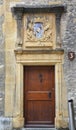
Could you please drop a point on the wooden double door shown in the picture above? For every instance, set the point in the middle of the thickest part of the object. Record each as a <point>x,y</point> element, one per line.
<point>39,95</point>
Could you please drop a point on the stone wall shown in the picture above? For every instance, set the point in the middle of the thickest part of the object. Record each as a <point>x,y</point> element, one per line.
<point>1,2</point>
<point>2,73</point>
<point>5,123</point>
<point>68,37</point>
<point>69,44</point>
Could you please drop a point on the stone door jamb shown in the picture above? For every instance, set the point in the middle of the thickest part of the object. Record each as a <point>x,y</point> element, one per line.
<point>38,59</point>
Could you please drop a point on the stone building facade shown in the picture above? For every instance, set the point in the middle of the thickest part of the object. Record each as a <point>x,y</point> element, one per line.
<point>17,50</point>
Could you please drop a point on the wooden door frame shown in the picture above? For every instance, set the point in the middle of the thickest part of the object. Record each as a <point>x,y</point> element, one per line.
<point>26,59</point>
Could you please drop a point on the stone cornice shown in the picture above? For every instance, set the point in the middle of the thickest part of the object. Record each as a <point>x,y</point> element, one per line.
<point>37,51</point>
<point>55,8</point>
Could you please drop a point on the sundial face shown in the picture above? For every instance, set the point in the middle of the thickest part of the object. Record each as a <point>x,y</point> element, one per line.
<point>38,30</point>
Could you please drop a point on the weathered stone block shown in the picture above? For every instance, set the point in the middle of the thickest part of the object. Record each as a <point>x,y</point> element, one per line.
<point>5,123</point>
<point>1,2</point>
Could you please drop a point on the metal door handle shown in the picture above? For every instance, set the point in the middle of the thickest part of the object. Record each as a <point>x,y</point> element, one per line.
<point>49,94</point>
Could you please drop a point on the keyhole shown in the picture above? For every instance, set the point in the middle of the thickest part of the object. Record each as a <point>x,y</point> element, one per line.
<point>49,94</point>
<point>41,77</point>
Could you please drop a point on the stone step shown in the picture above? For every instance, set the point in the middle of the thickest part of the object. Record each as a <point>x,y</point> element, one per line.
<point>38,128</point>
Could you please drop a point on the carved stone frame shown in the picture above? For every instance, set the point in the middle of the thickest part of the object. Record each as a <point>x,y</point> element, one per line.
<point>19,10</point>
<point>47,58</point>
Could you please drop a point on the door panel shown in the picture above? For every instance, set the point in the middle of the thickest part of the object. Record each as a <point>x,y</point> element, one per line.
<point>38,115</point>
<point>39,94</point>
